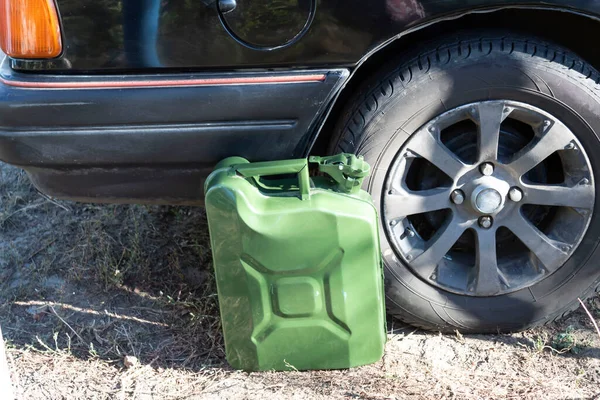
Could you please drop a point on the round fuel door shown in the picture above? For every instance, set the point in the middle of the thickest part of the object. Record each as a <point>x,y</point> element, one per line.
<point>266,24</point>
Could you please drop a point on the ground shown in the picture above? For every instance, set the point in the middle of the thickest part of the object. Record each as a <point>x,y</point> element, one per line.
<point>119,301</point>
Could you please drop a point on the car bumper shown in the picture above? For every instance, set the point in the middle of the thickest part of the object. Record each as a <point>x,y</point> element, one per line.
<point>154,139</point>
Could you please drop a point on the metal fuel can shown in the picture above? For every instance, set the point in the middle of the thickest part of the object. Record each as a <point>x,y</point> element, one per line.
<point>297,263</point>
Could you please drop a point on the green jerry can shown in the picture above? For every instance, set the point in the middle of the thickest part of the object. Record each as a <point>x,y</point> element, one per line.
<point>297,264</point>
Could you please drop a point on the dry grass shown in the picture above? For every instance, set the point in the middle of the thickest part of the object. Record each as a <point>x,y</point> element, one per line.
<point>83,286</point>
<point>58,374</point>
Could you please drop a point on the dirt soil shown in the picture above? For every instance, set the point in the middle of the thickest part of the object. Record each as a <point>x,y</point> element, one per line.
<point>119,301</point>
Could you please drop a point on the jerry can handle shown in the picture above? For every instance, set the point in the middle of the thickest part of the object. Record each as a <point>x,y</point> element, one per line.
<point>297,166</point>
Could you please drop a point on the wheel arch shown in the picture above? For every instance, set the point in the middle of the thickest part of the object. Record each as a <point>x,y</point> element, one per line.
<point>540,22</point>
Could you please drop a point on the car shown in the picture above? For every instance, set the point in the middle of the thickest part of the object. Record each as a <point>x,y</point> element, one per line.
<point>480,119</point>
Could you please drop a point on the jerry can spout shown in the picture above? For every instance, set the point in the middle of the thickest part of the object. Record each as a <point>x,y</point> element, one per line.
<point>347,170</point>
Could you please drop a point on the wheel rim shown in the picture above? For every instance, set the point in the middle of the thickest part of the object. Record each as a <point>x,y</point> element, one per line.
<point>488,198</point>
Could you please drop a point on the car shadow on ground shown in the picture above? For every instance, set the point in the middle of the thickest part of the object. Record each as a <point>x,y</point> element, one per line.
<point>107,281</point>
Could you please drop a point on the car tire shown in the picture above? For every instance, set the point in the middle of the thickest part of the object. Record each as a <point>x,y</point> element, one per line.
<point>387,120</point>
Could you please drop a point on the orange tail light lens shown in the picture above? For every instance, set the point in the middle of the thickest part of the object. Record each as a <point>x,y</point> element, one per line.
<point>29,29</point>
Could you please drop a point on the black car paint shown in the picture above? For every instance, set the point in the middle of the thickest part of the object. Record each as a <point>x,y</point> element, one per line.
<point>157,144</point>
<point>153,144</point>
<point>106,35</point>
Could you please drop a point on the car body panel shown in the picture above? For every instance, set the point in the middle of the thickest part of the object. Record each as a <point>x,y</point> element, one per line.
<point>129,35</point>
<point>148,95</point>
<point>109,139</point>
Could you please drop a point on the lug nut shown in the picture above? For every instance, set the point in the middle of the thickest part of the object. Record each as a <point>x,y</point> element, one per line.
<point>515,194</point>
<point>486,168</point>
<point>457,196</point>
<point>485,222</point>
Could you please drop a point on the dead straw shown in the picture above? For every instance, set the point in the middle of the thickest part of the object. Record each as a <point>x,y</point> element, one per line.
<point>590,315</point>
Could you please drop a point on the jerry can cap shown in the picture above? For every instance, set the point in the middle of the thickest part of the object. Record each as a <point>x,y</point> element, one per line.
<point>347,170</point>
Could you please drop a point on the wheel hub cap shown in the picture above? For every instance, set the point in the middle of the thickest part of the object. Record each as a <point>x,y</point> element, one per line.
<point>488,201</point>
<point>489,196</point>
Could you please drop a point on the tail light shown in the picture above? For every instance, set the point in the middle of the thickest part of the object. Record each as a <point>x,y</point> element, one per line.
<point>29,29</point>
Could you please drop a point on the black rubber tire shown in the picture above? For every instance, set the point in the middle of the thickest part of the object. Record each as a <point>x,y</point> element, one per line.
<point>456,71</point>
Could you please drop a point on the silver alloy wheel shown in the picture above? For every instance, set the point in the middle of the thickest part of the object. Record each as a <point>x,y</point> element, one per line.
<point>508,205</point>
